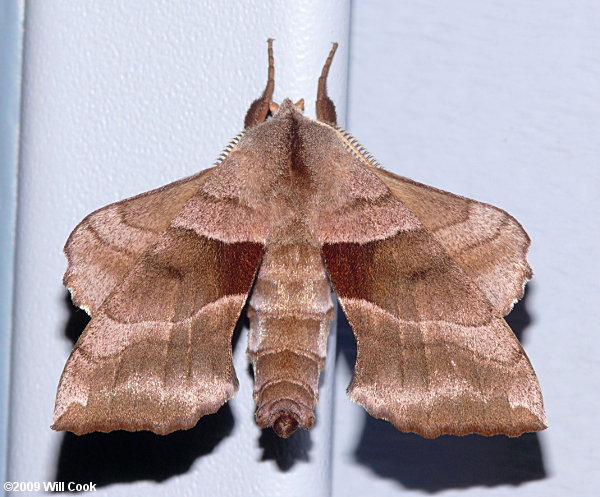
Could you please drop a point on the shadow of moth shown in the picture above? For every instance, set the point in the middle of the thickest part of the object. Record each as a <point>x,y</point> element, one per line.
<point>293,209</point>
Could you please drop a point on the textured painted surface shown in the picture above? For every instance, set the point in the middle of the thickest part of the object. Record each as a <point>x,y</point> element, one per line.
<point>497,101</point>
<point>11,19</point>
<point>120,98</point>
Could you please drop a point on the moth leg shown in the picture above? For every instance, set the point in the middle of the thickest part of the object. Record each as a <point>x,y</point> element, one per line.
<point>257,113</point>
<point>325,106</point>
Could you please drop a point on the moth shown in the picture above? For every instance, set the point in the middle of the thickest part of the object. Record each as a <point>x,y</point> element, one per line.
<point>294,209</point>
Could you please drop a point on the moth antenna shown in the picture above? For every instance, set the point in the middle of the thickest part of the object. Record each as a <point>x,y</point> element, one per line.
<point>325,107</point>
<point>258,111</point>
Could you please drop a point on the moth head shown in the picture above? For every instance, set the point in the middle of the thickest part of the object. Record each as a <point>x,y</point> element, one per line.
<point>264,105</point>
<point>274,106</point>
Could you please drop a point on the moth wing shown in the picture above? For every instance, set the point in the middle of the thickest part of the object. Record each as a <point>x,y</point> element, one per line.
<point>157,353</point>
<point>435,355</point>
<point>486,242</point>
<point>105,246</point>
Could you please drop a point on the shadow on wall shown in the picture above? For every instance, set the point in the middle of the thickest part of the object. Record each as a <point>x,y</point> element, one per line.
<point>285,451</point>
<point>120,456</point>
<point>448,461</point>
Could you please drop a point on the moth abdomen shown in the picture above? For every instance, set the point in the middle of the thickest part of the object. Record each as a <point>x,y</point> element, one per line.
<point>290,312</point>
<point>285,387</point>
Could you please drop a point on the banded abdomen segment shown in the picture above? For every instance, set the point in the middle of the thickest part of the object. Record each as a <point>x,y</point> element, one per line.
<point>290,313</point>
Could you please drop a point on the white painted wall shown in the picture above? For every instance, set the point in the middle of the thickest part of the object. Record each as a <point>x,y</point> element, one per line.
<point>11,21</point>
<point>499,101</point>
<point>121,97</point>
